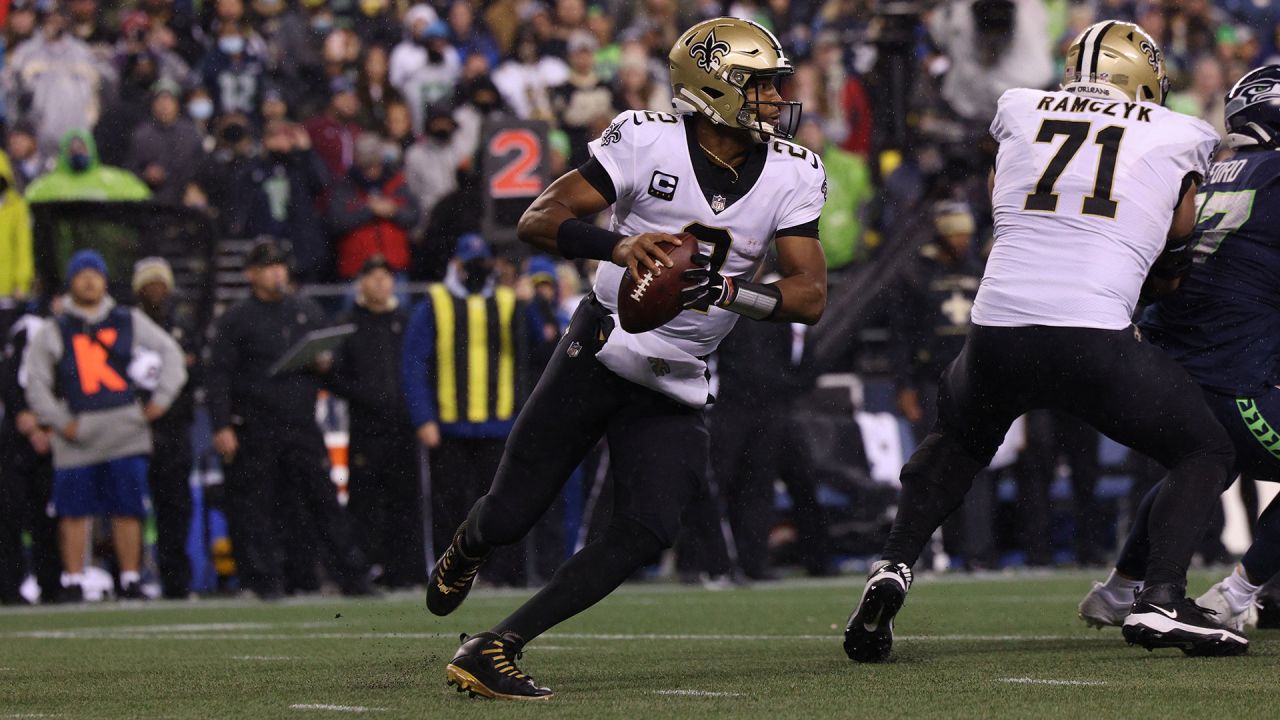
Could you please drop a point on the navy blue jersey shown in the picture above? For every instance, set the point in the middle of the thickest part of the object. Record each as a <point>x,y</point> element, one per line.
<point>1223,323</point>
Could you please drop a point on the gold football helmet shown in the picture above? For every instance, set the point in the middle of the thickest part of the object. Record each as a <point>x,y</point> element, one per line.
<point>1120,55</point>
<point>717,63</point>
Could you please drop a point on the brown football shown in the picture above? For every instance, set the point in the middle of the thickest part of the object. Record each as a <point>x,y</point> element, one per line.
<point>654,300</point>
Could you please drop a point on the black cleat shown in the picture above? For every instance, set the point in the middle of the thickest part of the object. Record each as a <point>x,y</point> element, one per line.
<point>1163,617</point>
<point>132,591</point>
<point>70,594</point>
<point>485,666</point>
<point>868,636</point>
<point>452,577</point>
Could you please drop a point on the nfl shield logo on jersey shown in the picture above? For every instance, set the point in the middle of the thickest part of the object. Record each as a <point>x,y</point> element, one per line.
<point>717,204</point>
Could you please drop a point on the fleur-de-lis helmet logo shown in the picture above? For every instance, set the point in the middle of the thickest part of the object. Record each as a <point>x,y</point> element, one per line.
<point>707,53</point>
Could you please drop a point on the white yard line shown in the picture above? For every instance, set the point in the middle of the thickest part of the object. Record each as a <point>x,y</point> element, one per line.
<point>1049,681</point>
<point>697,693</point>
<point>336,708</point>
<point>264,657</point>
<point>116,634</point>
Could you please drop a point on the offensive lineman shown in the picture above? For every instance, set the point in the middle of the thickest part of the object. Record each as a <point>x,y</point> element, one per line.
<point>1223,326</point>
<point>724,172</point>
<point>1092,185</point>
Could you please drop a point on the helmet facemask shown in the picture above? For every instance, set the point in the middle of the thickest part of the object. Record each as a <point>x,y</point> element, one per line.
<point>752,114</point>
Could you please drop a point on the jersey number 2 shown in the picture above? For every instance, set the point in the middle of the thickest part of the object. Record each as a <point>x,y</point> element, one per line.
<point>1044,199</point>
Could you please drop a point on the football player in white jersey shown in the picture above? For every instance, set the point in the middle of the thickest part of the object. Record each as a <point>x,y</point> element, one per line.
<point>1093,194</point>
<point>721,169</point>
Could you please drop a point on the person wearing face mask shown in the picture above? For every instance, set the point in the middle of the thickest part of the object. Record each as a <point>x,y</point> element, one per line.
<point>233,73</point>
<point>463,389</point>
<point>476,101</point>
<point>54,81</point>
<point>371,211</point>
<point>431,165</point>
<point>80,176</point>
<point>199,107</point>
<point>425,67</point>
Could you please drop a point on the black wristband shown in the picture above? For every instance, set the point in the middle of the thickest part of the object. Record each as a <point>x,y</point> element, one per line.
<point>580,239</point>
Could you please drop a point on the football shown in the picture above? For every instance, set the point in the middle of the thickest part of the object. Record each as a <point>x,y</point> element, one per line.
<point>654,300</point>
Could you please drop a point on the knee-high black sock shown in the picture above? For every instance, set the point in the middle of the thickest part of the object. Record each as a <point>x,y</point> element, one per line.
<point>934,483</point>
<point>1132,562</point>
<point>1181,511</point>
<point>586,578</point>
<point>1262,561</point>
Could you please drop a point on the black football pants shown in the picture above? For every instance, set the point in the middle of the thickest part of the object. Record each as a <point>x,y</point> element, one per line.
<point>658,452</point>
<point>1111,379</point>
<point>169,479</point>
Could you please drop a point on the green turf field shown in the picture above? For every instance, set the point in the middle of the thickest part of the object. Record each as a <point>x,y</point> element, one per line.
<point>997,647</point>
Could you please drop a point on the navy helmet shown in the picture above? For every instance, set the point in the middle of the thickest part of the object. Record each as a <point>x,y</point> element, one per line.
<point>1253,109</point>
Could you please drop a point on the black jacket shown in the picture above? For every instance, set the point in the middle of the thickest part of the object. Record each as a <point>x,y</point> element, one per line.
<point>367,371</point>
<point>246,341</point>
<point>929,315</point>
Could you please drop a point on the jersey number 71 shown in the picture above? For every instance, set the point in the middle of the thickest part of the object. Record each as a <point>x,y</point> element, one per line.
<point>1044,199</point>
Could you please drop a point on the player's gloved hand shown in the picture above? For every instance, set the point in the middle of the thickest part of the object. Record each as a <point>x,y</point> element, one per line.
<point>706,287</point>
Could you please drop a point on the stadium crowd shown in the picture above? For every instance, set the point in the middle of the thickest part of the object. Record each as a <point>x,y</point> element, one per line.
<point>345,137</point>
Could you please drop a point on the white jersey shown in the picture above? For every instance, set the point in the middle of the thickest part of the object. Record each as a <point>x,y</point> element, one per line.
<point>661,186</point>
<point>1085,189</point>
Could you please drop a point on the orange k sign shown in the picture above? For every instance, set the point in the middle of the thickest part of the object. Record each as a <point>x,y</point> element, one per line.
<point>91,363</point>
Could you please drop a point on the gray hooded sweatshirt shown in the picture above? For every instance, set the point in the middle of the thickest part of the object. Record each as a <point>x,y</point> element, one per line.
<point>106,434</point>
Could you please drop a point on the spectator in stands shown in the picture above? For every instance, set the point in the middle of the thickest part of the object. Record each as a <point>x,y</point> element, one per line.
<point>583,104</point>
<point>285,180</point>
<point>226,176</point>
<point>929,318</point>
<point>127,108</point>
<point>54,81</point>
<point>333,133</point>
<point>426,71</point>
<point>431,165</point>
<point>374,89</point>
<point>24,152</point>
<point>468,36</point>
<point>297,55</point>
<point>22,22</point>
<point>1205,98</point>
<point>85,23</point>
<point>199,108</point>
<point>398,128</point>
<point>80,386</point>
<point>233,72</point>
<point>461,389</point>
<point>278,488</point>
<point>17,264</point>
<point>376,23</point>
<point>385,495</point>
<point>635,88</point>
<point>138,36</point>
<point>372,211</point>
<point>273,107</point>
<point>849,191</point>
<point>166,151</point>
<point>79,176</point>
<point>526,77</point>
<point>992,45</point>
<point>169,474</point>
<point>476,101</point>
<point>27,476</point>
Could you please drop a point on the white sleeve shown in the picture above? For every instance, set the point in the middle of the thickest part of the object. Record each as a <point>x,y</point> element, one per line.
<point>810,196</point>
<point>620,149</point>
<point>1002,125</point>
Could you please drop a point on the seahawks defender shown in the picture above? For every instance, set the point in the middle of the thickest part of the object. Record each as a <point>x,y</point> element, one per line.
<point>1092,186</point>
<point>723,171</point>
<point>1223,326</point>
